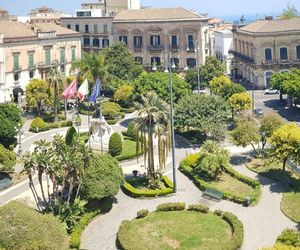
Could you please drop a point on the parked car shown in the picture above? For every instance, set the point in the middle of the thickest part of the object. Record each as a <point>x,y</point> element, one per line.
<point>271,91</point>
<point>258,112</point>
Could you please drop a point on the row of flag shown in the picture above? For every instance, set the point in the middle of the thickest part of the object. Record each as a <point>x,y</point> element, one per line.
<point>71,91</point>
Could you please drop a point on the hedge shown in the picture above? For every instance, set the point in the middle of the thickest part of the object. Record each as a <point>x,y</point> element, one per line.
<point>199,208</point>
<point>127,110</point>
<point>175,206</point>
<point>238,198</point>
<point>115,144</point>
<point>8,159</point>
<point>61,124</point>
<point>135,192</point>
<point>112,122</point>
<point>37,124</point>
<point>129,156</point>
<point>142,213</point>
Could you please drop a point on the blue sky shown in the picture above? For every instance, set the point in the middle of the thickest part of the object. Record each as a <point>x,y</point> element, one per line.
<point>212,7</point>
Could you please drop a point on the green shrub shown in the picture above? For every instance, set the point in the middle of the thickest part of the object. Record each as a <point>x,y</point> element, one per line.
<point>111,109</point>
<point>8,159</point>
<point>142,213</point>
<point>71,135</point>
<point>167,182</point>
<point>192,159</point>
<point>21,227</point>
<point>115,144</point>
<point>218,212</point>
<point>130,132</point>
<point>77,120</point>
<point>38,124</point>
<point>237,238</point>
<point>53,125</point>
<point>112,122</point>
<point>176,206</point>
<point>199,207</point>
<point>127,110</point>
<point>67,123</point>
<point>289,237</point>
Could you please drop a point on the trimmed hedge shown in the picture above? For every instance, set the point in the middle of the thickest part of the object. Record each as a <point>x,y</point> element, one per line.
<point>112,122</point>
<point>115,144</point>
<point>8,159</point>
<point>142,213</point>
<point>38,124</point>
<point>199,208</point>
<point>136,193</point>
<point>71,135</point>
<point>236,197</point>
<point>176,206</point>
<point>128,110</point>
<point>61,124</point>
<point>237,227</point>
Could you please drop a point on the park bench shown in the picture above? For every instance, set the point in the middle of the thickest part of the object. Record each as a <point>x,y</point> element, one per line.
<point>213,193</point>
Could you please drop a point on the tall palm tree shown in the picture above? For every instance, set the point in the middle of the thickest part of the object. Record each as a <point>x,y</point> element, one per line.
<point>55,79</point>
<point>153,121</point>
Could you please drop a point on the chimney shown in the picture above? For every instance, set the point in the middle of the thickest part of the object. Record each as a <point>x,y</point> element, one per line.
<point>269,18</point>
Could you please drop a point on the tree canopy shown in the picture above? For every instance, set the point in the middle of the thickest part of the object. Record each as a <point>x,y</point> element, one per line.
<point>217,83</point>
<point>124,94</point>
<point>240,101</point>
<point>289,12</point>
<point>10,117</point>
<point>159,82</point>
<point>212,68</point>
<point>227,90</point>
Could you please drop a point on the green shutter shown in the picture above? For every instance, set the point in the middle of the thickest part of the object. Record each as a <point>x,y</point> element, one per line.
<point>31,60</point>
<point>62,55</point>
<point>48,56</point>
<point>16,61</point>
<point>73,54</point>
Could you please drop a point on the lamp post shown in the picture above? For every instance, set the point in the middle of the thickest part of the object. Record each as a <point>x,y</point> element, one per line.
<point>198,67</point>
<point>253,85</point>
<point>20,132</point>
<point>168,69</point>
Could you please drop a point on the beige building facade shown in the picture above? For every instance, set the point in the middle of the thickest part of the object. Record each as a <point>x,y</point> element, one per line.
<point>30,51</point>
<point>151,33</point>
<point>265,47</point>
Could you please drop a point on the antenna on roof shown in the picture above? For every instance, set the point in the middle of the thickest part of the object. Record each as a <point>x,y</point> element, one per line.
<point>242,19</point>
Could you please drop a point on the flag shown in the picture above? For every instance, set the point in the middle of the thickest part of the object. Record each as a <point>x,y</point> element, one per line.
<point>95,92</point>
<point>70,91</point>
<point>83,90</point>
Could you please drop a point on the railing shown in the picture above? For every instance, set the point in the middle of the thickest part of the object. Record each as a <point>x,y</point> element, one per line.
<point>242,57</point>
<point>48,65</point>
<point>174,47</point>
<point>156,48</point>
<point>137,47</point>
<point>269,62</point>
<point>285,61</point>
<point>17,68</point>
<point>32,66</point>
<point>190,48</point>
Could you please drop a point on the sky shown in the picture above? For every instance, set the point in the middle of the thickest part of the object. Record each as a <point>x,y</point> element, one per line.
<point>219,8</point>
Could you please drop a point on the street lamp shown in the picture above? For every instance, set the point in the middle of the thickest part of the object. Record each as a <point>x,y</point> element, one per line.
<point>198,67</point>
<point>20,132</point>
<point>253,85</point>
<point>168,69</point>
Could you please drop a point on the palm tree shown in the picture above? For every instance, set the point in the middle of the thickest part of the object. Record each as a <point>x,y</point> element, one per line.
<point>153,120</point>
<point>55,79</point>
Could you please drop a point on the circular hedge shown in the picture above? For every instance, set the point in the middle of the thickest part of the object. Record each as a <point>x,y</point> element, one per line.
<point>37,124</point>
<point>22,227</point>
<point>115,144</point>
<point>173,227</point>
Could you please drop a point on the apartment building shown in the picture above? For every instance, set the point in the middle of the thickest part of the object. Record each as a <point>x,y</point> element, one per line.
<point>264,47</point>
<point>151,33</point>
<point>30,51</point>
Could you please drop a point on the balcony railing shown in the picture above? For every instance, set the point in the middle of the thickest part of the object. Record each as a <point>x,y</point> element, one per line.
<point>174,47</point>
<point>31,66</point>
<point>137,47</point>
<point>268,62</point>
<point>17,68</point>
<point>48,65</point>
<point>285,61</point>
<point>190,48</point>
<point>242,57</point>
<point>155,48</point>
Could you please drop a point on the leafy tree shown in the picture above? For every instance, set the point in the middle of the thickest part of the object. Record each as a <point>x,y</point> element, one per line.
<point>246,132</point>
<point>227,90</point>
<point>217,83</point>
<point>212,68</point>
<point>102,179</point>
<point>240,101</point>
<point>115,144</point>
<point>56,80</point>
<point>124,94</point>
<point>268,124</point>
<point>153,121</point>
<point>131,132</point>
<point>38,94</point>
<point>21,227</point>
<point>10,117</point>
<point>110,109</point>
<point>159,82</point>
<point>289,12</point>
<point>211,160</point>
<point>277,81</point>
<point>285,143</point>
<point>291,85</point>
<point>191,77</point>
<point>201,112</point>
<point>7,159</point>
<point>37,124</point>
<point>71,136</point>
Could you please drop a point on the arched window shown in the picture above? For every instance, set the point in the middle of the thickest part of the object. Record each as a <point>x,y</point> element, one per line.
<point>268,55</point>
<point>283,54</point>
<point>298,52</point>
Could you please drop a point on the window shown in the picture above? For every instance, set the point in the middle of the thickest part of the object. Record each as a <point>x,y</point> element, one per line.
<point>73,54</point>
<point>191,62</point>
<point>86,28</point>
<point>86,42</point>
<point>95,28</point>
<point>155,60</point>
<point>123,39</point>
<point>139,59</point>
<point>31,74</point>
<point>298,52</point>
<point>77,27</point>
<point>62,68</point>
<point>69,26</point>
<point>105,28</point>
<point>283,54</point>
<point>16,77</point>
<point>191,42</point>
<point>138,41</point>
<point>155,41</point>
<point>84,13</point>
<point>30,59</point>
<point>96,42</point>
<point>16,61</point>
<point>174,42</point>
<point>175,61</point>
<point>47,56</point>
<point>62,55</point>
<point>268,55</point>
<point>105,43</point>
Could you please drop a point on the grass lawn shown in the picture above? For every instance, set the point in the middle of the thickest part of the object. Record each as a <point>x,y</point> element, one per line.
<point>128,150</point>
<point>290,204</point>
<point>231,184</point>
<point>176,230</point>
<point>141,183</point>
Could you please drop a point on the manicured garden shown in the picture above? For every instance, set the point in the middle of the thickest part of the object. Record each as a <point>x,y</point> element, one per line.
<point>128,150</point>
<point>173,227</point>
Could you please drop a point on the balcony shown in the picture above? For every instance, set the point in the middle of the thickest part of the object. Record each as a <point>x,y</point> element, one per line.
<point>190,48</point>
<point>31,66</point>
<point>155,48</point>
<point>17,68</point>
<point>242,57</point>
<point>137,47</point>
<point>297,61</point>
<point>174,47</point>
<point>44,65</point>
<point>285,61</point>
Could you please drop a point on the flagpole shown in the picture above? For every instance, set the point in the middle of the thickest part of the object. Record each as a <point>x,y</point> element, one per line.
<point>77,106</point>
<point>101,137</point>
<point>89,126</point>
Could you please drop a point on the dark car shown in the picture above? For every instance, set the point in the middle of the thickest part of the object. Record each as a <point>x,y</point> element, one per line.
<point>258,112</point>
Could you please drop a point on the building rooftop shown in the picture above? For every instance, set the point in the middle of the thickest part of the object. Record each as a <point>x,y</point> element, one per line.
<point>15,29</point>
<point>161,14</point>
<point>270,26</point>
<point>48,27</point>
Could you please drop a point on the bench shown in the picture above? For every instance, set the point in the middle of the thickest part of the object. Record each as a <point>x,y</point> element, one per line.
<point>213,193</point>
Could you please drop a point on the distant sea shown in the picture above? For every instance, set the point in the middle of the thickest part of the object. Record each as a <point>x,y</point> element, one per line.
<point>248,17</point>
